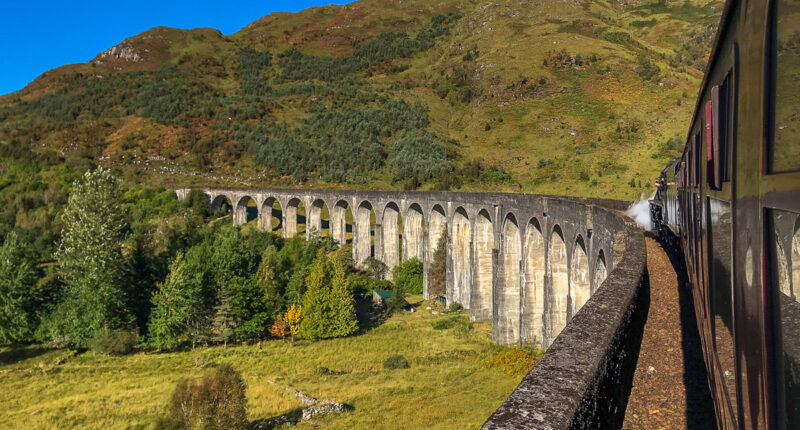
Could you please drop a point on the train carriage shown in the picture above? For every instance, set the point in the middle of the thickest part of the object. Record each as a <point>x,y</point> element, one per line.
<point>734,206</point>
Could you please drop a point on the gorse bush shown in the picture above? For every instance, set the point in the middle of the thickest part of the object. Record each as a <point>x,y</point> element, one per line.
<point>395,361</point>
<point>218,401</point>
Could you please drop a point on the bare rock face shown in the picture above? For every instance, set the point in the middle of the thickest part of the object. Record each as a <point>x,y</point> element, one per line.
<point>123,52</point>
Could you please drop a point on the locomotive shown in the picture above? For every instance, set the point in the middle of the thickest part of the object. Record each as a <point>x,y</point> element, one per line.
<point>731,203</point>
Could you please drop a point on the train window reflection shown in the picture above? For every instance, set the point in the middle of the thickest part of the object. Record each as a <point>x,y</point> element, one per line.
<point>719,214</point>
<point>785,151</point>
<point>785,266</point>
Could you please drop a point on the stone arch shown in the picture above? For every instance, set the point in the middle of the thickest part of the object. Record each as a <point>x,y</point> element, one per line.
<point>318,221</point>
<point>245,211</point>
<point>295,218</point>
<point>364,232</point>
<point>507,314</point>
<point>559,274</point>
<point>533,291</point>
<point>413,233</point>
<point>342,222</point>
<point>600,270</point>
<point>221,204</point>
<point>391,235</point>
<point>579,280</point>
<point>270,217</point>
<point>462,238</point>
<point>484,268</point>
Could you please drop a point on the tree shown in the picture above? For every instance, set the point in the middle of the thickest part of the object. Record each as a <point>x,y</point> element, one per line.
<point>17,278</point>
<point>279,328</point>
<point>224,321</point>
<point>178,301</point>
<point>294,316</point>
<point>328,307</point>
<point>437,277</point>
<point>408,276</point>
<point>91,262</point>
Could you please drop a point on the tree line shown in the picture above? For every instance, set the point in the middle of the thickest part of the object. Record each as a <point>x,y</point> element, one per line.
<point>172,279</point>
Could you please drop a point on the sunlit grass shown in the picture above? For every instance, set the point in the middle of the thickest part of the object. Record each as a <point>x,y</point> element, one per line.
<point>447,385</point>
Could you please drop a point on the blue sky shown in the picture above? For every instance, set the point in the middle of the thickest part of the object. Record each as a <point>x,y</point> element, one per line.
<point>36,36</point>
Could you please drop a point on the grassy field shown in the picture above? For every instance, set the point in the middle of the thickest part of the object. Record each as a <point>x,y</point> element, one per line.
<point>447,385</point>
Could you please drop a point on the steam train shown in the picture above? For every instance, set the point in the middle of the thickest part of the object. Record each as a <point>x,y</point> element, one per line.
<point>731,202</point>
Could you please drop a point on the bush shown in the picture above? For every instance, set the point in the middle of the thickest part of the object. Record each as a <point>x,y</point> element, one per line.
<point>516,360</point>
<point>408,276</point>
<point>455,307</point>
<point>218,401</point>
<point>395,361</point>
<point>459,324</point>
<point>114,342</point>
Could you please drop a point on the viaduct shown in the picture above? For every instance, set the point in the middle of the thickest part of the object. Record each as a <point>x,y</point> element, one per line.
<point>548,271</point>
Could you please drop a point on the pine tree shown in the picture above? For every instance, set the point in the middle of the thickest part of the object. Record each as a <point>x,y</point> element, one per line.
<point>176,303</point>
<point>91,262</point>
<point>437,277</point>
<point>224,321</point>
<point>328,306</point>
<point>17,278</point>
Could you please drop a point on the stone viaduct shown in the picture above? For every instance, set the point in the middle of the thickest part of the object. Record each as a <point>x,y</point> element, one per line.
<point>527,263</point>
<point>564,273</point>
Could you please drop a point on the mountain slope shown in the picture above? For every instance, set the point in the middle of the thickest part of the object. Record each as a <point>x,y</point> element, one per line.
<point>568,97</point>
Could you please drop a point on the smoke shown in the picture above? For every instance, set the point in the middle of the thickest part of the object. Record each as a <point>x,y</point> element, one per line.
<point>640,212</point>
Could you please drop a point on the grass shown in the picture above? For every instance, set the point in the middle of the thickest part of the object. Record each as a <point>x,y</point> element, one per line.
<point>446,386</point>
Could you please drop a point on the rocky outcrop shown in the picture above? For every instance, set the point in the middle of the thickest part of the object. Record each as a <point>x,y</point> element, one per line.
<point>122,52</point>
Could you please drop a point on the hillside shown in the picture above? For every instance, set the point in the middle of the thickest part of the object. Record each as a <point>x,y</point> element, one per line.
<point>586,98</point>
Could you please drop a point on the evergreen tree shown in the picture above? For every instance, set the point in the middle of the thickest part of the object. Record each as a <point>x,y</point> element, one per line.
<point>437,277</point>
<point>177,302</point>
<point>91,261</point>
<point>17,278</point>
<point>328,307</point>
<point>224,320</point>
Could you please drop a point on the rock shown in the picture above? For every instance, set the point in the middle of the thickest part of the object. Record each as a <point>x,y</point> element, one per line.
<point>323,408</point>
<point>650,369</point>
<point>124,52</point>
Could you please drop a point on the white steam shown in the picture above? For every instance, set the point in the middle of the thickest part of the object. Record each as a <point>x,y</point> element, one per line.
<point>640,212</point>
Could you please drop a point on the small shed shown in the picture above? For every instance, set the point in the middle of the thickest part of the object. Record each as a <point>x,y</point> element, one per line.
<point>380,296</point>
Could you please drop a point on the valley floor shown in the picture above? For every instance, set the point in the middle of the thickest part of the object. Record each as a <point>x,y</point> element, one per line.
<point>447,385</point>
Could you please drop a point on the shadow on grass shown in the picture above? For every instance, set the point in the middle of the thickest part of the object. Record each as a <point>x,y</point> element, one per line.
<point>15,354</point>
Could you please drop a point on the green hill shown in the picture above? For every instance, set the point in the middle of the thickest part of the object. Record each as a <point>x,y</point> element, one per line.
<point>566,97</point>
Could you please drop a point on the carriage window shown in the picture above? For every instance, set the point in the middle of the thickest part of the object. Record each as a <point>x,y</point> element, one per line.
<point>719,231</point>
<point>784,238</point>
<point>784,155</point>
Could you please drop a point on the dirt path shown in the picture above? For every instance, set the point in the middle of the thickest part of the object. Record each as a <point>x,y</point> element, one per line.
<point>669,387</point>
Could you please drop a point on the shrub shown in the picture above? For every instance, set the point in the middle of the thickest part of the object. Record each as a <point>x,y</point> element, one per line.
<point>459,324</point>
<point>218,401</point>
<point>395,361</point>
<point>455,307</point>
<point>408,276</point>
<point>114,342</point>
<point>516,361</point>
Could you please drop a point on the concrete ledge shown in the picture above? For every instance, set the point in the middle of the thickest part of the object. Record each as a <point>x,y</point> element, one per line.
<point>584,378</point>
